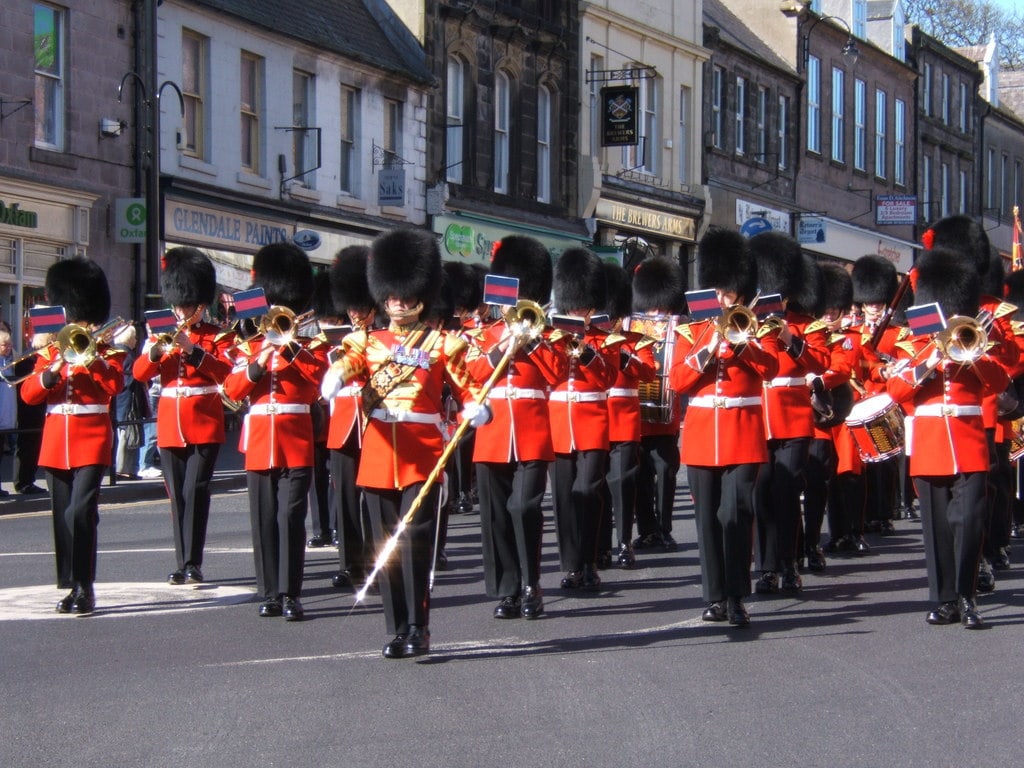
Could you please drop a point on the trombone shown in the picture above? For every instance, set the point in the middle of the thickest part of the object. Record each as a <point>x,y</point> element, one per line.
<point>279,326</point>
<point>77,345</point>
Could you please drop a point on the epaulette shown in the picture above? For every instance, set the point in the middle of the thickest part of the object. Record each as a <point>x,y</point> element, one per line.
<point>557,335</point>
<point>815,326</point>
<point>684,331</point>
<point>1017,327</point>
<point>836,337</point>
<point>904,333</point>
<point>907,346</point>
<point>223,334</point>
<point>645,341</point>
<point>1005,308</point>
<point>611,339</point>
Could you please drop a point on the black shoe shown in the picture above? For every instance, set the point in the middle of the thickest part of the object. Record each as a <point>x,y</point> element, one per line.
<point>177,578</point>
<point>911,513</point>
<point>65,603</point>
<point>291,608</point>
<point>815,559</point>
<point>842,544</point>
<point>30,490</point>
<point>969,617</point>
<point>604,560</point>
<point>508,608</point>
<point>714,612</point>
<point>572,580</point>
<point>1002,560</point>
<point>193,575</point>
<point>648,541</point>
<point>464,506</point>
<point>591,581</point>
<point>737,612</point>
<point>1017,531</point>
<point>318,541</point>
<point>84,602</point>
<point>396,648</point>
<point>335,541</point>
<point>791,580</point>
<point>986,579</point>
<point>667,542</point>
<point>441,561</point>
<point>531,604</point>
<point>768,583</point>
<point>271,608</point>
<point>886,528</point>
<point>626,558</point>
<point>347,578</point>
<point>417,643</point>
<point>944,613</point>
<point>860,547</point>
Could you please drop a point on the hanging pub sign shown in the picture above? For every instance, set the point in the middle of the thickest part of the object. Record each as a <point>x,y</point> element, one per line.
<point>618,122</point>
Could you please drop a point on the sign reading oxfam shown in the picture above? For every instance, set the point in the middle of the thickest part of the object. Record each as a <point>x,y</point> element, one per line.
<point>130,220</point>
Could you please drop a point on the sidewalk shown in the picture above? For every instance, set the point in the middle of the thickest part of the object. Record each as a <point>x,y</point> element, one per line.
<point>229,475</point>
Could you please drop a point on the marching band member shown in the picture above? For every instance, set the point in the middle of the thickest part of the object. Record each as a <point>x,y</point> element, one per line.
<point>512,453</point>
<point>1014,293</point>
<point>190,419</point>
<point>787,411</point>
<point>406,366</point>
<point>281,378</point>
<point>578,408</point>
<point>321,511</point>
<point>947,448</point>
<point>659,300</point>
<point>724,446</point>
<point>635,365</point>
<point>77,386</point>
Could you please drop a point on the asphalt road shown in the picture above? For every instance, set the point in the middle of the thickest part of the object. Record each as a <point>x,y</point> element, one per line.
<point>848,674</point>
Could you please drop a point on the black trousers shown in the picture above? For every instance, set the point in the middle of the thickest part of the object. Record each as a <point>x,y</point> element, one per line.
<point>351,518</point>
<point>75,498</point>
<point>277,512</point>
<point>953,519</point>
<point>777,502</point>
<point>656,483</point>
<point>187,475</point>
<point>821,469</point>
<point>579,505</point>
<point>404,578</point>
<point>623,473</point>
<point>723,503</point>
<point>321,512</point>
<point>511,524</point>
<point>882,478</point>
<point>846,505</point>
<point>1000,485</point>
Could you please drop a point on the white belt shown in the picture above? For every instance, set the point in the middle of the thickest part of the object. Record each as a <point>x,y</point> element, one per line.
<point>938,409</point>
<point>785,381</point>
<point>517,393</point>
<point>189,391</point>
<point>715,401</point>
<point>392,417</point>
<point>622,392</point>
<point>350,391</point>
<point>578,397</point>
<point>269,409</point>
<point>76,409</point>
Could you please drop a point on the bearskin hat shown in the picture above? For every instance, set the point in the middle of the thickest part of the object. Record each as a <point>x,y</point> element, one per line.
<point>579,281</point>
<point>838,287</point>
<point>465,284</point>
<point>963,235</point>
<point>809,296</point>
<point>944,277</point>
<point>620,292</point>
<point>724,261</point>
<point>658,286</point>
<point>527,259</point>
<point>874,280</point>
<point>349,289</point>
<point>323,302</point>
<point>405,263</point>
<point>284,273</point>
<point>780,267</point>
<point>993,278</point>
<point>188,278</point>
<point>80,285</point>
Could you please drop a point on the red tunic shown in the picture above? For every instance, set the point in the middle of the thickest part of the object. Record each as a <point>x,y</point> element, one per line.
<point>77,431</point>
<point>636,364</point>
<point>345,403</point>
<point>787,399</point>
<point>191,411</point>
<point>578,406</point>
<point>724,423</point>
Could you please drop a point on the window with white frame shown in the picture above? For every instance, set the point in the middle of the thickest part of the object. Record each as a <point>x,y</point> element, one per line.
<point>1004,180</point>
<point>899,158</point>
<point>926,187</point>
<point>48,100</point>
<point>762,124</point>
<point>813,104</point>
<point>717,98</point>
<point>596,65</point>
<point>860,18</point>
<point>838,117</point>
<point>945,96</point>
<point>860,127</point>
<point>194,52</point>
<point>741,115</point>
<point>990,185</point>
<point>543,144</point>
<point>348,121</point>
<point>881,116</point>
<point>392,142</point>
<point>1015,197</point>
<point>650,89</point>
<point>944,190</point>
<point>965,108</point>
<point>683,150</point>
<point>926,90</point>
<point>250,106</point>
<point>455,139</point>
<point>783,136</point>
<point>964,192</point>
<point>502,100</point>
<point>303,141</point>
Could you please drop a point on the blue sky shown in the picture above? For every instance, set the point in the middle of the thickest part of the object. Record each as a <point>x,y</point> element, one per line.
<point>1008,5</point>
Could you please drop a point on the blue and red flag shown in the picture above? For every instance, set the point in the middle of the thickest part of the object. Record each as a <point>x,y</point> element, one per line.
<point>768,305</point>
<point>501,290</point>
<point>161,321</point>
<point>47,319</point>
<point>601,321</point>
<point>703,304</point>
<point>925,319</point>
<point>250,303</point>
<point>569,324</point>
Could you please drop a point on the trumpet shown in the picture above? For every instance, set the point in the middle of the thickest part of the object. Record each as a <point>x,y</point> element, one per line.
<point>526,320</point>
<point>737,324</point>
<point>281,325</point>
<point>77,344</point>
<point>964,339</point>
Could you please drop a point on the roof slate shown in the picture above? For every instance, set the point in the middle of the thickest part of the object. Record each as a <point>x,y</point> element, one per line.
<point>734,32</point>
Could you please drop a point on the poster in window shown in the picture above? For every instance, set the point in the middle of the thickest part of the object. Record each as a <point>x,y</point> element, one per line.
<point>618,125</point>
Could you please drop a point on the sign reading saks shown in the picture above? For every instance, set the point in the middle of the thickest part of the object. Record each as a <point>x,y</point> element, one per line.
<point>220,229</point>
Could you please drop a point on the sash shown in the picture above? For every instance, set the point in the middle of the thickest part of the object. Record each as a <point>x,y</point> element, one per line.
<point>391,373</point>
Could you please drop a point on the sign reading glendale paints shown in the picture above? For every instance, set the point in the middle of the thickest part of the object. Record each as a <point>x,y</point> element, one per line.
<point>215,228</point>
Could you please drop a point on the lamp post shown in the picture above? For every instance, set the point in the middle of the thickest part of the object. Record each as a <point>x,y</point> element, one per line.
<point>850,50</point>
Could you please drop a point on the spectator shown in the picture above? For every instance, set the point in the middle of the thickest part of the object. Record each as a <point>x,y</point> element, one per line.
<point>8,401</point>
<point>132,406</point>
<point>149,454</point>
<point>30,427</point>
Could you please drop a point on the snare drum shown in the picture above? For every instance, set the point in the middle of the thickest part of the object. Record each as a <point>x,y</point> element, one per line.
<point>1016,439</point>
<point>876,424</point>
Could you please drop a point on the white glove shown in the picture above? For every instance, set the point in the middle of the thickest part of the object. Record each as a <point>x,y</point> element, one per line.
<point>477,414</point>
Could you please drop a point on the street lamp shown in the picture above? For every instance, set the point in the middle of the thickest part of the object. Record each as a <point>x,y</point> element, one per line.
<point>850,50</point>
